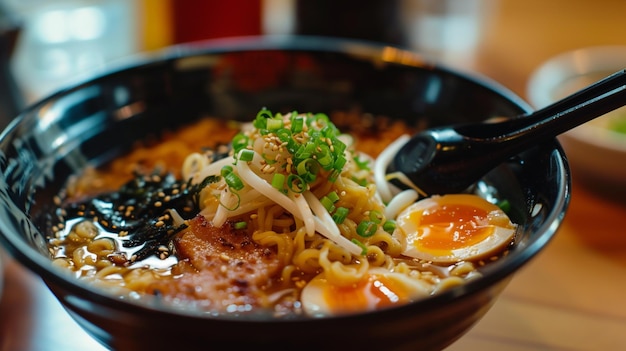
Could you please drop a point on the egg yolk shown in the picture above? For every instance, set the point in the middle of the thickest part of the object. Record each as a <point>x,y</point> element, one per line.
<point>451,226</point>
<point>375,292</point>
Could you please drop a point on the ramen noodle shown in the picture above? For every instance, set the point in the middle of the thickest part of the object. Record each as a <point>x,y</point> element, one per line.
<point>284,214</point>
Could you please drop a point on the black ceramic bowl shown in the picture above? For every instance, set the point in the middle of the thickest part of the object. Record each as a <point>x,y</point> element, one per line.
<point>98,119</point>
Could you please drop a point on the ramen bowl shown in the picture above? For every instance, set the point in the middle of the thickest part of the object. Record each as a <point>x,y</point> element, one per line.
<point>96,120</point>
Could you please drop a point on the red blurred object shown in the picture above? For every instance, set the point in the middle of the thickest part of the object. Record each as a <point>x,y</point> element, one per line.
<point>206,19</point>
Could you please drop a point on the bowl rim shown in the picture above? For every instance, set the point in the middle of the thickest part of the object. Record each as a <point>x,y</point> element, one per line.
<point>544,80</point>
<point>567,64</point>
<point>36,262</point>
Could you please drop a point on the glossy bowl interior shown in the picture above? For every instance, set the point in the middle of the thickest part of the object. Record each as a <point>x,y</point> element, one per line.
<point>96,120</point>
<point>596,151</point>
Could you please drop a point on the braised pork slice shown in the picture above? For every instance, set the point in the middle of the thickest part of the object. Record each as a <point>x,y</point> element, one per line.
<point>222,268</point>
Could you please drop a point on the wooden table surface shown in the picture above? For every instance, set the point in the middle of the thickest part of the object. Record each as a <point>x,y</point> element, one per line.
<point>572,296</point>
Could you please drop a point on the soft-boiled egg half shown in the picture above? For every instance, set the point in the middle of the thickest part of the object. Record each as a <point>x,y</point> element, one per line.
<point>453,228</point>
<point>378,289</point>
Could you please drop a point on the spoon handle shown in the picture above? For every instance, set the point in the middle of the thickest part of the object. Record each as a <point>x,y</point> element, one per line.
<point>608,83</point>
<point>591,102</point>
<point>450,159</point>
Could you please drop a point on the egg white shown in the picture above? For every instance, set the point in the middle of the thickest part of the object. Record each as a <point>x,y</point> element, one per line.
<point>319,298</point>
<point>409,230</point>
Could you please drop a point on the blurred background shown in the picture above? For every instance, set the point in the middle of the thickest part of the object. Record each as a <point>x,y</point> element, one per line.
<point>64,40</point>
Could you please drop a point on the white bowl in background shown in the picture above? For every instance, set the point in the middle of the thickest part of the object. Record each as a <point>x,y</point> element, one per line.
<point>596,152</point>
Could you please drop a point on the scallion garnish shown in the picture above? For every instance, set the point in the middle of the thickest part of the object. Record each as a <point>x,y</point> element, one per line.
<point>328,204</point>
<point>362,164</point>
<point>307,169</point>
<point>338,146</point>
<point>297,150</point>
<point>376,216</point>
<point>239,142</point>
<point>283,134</point>
<point>324,157</point>
<point>366,228</point>
<point>278,181</point>
<point>389,226</point>
<point>260,122</point>
<point>225,170</point>
<point>233,181</point>
<point>340,215</point>
<point>246,155</point>
<point>361,245</point>
<point>305,151</point>
<point>295,183</point>
<point>274,124</point>
<point>297,124</point>
<point>235,205</point>
<point>333,196</point>
<point>340,161</point>
<point>504,205</point>
<point>360,181</point>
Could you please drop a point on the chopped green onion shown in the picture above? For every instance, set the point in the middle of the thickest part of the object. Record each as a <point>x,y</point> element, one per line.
<point>297,124</point>
<point>305,151</point>
<point>340,215</point>
<point>504,205</point>
<point>295,183</point>
<point>307,169</point>
<point>389,226</point>
<point>274,124</point>
<point>233,181</point>
<point>260,122</point>
<point>328,204</point>
<point>283,134</point>
<point>236,204</point>
<point>324,156</point>
<point>376,216</point>
<point>292,146</point>
<point>265,113</point>
<point>339,163</point>
<point>361,245</point>
<point>278,180</point>
<point>618,124</point>
<point>308,177</point>
<point>321,119</point>
<point>304,166</point>
<point>339,146</point>
<point>362,164</point>
<point>333,196</point>
<point>225,170</point>
<point>366,228</point>
<point>239,142</point>
<point>246,155</point>
<point>241,225</point>
<point>268,159</point>
<point>360,181</point>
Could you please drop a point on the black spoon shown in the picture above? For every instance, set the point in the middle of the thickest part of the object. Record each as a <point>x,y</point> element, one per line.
<point>450,159</point>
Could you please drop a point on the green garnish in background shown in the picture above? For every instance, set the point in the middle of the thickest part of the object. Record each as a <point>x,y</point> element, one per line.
<point>619,124</point>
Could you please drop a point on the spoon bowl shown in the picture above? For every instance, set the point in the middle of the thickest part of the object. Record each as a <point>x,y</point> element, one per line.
<point>451,159</point>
